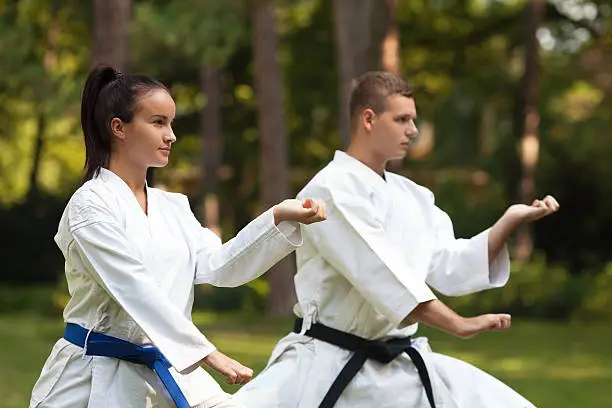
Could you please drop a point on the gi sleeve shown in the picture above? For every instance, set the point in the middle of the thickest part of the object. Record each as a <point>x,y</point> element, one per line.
<point>254,250</point>
<point>461,266</point>
<point>101,246</point>
<point>355,243</point>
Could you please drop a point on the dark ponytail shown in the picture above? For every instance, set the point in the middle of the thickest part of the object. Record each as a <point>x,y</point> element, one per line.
<point>97,143</point>
<point>108,94</point>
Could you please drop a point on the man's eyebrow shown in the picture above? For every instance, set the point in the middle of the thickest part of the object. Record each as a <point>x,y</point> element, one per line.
<point>405,116</point>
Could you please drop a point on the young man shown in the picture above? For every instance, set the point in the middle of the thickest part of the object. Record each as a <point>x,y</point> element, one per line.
<point>364,278</point>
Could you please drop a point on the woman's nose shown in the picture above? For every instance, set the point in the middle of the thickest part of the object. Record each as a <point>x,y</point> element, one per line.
<point>170,137</point>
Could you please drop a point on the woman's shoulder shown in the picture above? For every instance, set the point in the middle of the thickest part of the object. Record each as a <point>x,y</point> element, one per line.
<point>170,198</point>
<point>92,201</point>
<point>174,205</point>
<point>92,193</point>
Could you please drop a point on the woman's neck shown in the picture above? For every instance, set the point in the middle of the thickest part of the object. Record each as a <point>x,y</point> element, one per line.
<point>135,177</point>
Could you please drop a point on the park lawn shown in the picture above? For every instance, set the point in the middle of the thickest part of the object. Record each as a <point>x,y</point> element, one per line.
<point>553,364</point>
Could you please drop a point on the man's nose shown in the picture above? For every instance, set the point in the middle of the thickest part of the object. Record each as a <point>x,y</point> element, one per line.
<point>411,131</point>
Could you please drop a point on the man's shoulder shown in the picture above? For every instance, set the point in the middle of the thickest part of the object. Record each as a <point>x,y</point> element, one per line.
<point>331,178</point>
<point>409,184</point>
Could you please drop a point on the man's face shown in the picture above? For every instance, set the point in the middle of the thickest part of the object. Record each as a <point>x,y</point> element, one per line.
<point>394,130</point>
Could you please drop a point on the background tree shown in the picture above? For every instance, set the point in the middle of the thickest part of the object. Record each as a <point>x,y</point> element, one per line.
<point>110,43</point>
<point>528,104</point>
<point>353,36</point>
<point>274,181</point>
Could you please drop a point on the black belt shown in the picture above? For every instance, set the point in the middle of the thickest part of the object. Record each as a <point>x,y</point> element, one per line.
<point>381,351</point>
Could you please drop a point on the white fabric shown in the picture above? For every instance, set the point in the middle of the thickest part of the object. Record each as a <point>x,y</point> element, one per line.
<point>363,271</point>
<point>131,275</point>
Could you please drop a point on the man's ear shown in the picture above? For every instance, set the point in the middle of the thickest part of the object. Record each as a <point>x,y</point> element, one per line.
<point>117,127</point>
<point>368,117</point>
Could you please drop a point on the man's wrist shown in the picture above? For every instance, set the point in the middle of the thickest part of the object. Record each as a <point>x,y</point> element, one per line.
<point>459,327</point>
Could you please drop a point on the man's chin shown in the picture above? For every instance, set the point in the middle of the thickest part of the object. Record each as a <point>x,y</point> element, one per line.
<point>399,156</point>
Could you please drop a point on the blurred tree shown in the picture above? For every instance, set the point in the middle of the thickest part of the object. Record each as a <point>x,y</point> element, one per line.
<point>110,33</point>
<point>38,86</point>
<point>529,121</point>
<point>353,39</point>
<point>390,55</point>
<point>110,42</point>
<point>212,146</point>
<point>274,181</point>
<point>206,33</point>
<point>465,60</point>
<point>40,66</point>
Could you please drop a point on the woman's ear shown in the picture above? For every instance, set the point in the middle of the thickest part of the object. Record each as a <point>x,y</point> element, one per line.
<point>117,127</point>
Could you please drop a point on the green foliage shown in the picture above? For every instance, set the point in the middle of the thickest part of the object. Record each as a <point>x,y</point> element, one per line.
<point>463,58</point>
<point>469,197</point>
<point>597,303</point>
<point>206,32</point>
<point>27,248</point>
<point>36,300</point>
<point>250,298</point>
<point>42,56</point>
<point>537,289</point>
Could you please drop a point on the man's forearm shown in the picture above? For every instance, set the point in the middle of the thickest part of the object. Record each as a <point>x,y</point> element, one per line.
<point>436,314</point>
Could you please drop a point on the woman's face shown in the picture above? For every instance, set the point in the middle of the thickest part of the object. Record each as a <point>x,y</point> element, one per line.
<point>146,141</point>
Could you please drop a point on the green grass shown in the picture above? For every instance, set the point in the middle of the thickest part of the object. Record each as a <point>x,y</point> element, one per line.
<point>553,364</point>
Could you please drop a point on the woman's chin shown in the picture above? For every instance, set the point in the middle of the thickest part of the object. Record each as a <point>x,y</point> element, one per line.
<point>159,163</point>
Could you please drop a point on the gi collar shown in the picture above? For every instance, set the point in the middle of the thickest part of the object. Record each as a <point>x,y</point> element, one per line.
<point>366,174</point>
<point>117,183</point>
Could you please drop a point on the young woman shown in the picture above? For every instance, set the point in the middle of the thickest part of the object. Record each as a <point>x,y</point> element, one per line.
<point>133,255</point>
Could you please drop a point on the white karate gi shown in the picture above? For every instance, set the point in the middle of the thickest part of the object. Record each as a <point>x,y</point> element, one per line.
<point>131,276</point>
<point>363,271</point>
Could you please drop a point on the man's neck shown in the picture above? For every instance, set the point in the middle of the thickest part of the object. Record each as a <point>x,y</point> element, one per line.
<point>366,156</point>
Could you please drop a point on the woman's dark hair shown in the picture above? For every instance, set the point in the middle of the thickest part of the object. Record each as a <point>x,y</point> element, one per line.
<point>108,94</point>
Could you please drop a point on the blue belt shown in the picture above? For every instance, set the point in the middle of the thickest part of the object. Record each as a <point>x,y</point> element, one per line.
<point>99,344</point>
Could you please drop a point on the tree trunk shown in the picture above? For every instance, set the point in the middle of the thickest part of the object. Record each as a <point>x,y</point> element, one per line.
<point>273,152</point>
<point>33,190</point>
<point>529,99</point>
<point>389,53</point>
<point>212,146</point>
<point>44,89</point>
<point>353,32</point>
<point>110,33</point>
<point>390,56</point>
